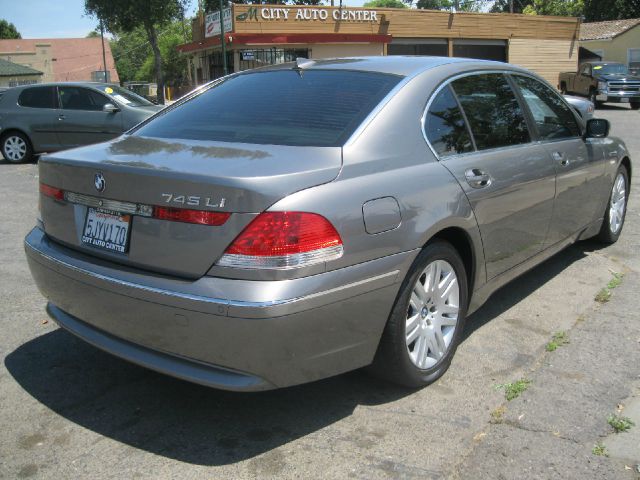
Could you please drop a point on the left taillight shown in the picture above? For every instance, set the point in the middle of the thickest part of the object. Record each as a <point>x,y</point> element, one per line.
<point>52,192</point>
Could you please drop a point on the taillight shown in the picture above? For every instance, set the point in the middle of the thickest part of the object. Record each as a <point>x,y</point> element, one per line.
<point>190,216</point>
<point>284,240</point>
<point>53,192</point>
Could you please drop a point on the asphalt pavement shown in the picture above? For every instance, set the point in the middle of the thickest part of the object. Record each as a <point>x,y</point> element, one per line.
<point>68,410</point>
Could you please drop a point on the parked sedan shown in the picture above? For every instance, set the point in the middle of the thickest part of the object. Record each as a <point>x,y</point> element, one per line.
<point>583,106</point>
<point>52,117</point>
<point>291,223</point>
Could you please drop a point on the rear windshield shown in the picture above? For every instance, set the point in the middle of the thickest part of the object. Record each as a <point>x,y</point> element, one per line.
<point>284,107</point>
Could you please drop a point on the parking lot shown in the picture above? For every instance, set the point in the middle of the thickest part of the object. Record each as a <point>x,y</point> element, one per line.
<point>68,410</point>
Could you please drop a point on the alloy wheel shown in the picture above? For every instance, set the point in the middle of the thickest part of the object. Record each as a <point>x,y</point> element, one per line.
<point>618,203</point>
<point>15,148</point>
<point>432,315</point>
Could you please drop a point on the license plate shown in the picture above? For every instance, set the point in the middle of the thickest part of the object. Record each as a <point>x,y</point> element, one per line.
<point>624,100</point>
<point>107,230</point>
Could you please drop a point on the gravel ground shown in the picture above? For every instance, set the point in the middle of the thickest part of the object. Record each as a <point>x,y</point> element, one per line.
<point>68,410</point>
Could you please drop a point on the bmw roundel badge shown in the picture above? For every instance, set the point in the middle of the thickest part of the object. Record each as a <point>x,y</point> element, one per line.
<point>99,182</point>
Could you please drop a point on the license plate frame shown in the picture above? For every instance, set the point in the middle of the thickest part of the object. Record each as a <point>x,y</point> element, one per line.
<point>624,100</point>
<point>112,235</point>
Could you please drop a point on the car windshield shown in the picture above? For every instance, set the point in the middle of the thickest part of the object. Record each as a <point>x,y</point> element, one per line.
<point>125,97</point>
<point>610,69</point>
<point>279,107</point>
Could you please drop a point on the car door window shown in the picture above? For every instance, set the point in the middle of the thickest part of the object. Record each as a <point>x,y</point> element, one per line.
<point>492,110</point>
<point>38,97</point>
<point>445,127</point>
<point>586,70</point>
<point>78,98</point>
<point>552,116</point>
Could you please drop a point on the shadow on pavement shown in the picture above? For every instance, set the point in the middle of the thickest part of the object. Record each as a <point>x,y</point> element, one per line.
<point>525,285</point>
<point>198,425</point>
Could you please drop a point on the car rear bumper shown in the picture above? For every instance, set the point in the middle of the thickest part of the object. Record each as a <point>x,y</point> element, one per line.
<point>231,334</point>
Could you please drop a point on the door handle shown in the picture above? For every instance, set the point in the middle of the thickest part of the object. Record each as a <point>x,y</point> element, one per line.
<point>561,158</point>
<point>476,178</point>
<point>61,117</point>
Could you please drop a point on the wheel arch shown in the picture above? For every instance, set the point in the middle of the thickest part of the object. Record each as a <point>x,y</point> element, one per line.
<point>460,239</point>
<point>10,130</point>
<point>626,162</point>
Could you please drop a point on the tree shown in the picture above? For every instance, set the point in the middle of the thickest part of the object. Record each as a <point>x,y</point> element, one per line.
<point>130,52</point>
<point>127,15</point>
<point>457,5</point>
<point>385,4</point>
<point>174,64</point>
<point>503,6</point>
<point>93,34</point>
<point>598,11</point>
<point>569,8</point>
<point>8,30</point>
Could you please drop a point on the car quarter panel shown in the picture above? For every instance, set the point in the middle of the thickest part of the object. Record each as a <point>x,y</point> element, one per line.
<point>390,158</point>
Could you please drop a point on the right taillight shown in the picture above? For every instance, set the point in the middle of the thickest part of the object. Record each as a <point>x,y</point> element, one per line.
<point>284,240</point>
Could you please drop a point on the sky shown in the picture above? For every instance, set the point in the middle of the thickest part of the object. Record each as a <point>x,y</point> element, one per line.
<point>64,18</point>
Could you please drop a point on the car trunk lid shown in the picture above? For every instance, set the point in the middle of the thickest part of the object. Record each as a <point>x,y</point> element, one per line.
<point>242,179</point>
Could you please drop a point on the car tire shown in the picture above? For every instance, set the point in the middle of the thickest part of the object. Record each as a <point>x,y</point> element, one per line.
<point>593,99</point>
<point>16,147</point>
<point>635,105</point>
<point>401,359</point>
<point>563,89</point>
<point>616,210</point>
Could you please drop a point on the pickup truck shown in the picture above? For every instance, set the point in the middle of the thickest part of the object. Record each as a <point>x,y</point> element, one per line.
<point>603,82</point>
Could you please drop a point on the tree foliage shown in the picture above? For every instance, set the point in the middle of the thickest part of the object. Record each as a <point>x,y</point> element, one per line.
<point>385,4</point>
<point>457,5</point>
<point>150,15</point>
<point>503,6</point>
<point>8,30</point>
<point>599,10</point>
<point>570,8</point>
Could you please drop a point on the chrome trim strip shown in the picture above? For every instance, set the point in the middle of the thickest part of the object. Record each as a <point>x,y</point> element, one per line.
<point>116,205</point>
<point>200,298</point>
<point>280,262</point>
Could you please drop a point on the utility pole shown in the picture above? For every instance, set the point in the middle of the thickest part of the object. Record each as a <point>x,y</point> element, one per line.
<point>511,6</point>
<point>104,56</point>
<point>222,42</point>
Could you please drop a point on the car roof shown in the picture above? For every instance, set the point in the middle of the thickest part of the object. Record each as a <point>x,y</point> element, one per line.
<point>68,84</point>
<point>403,65</point>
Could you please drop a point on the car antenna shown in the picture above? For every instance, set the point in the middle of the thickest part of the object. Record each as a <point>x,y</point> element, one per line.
<point>302,63</point>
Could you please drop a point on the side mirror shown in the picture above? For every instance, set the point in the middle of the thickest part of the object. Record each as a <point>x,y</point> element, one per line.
<point>110,108</point>
<point>597,128</point>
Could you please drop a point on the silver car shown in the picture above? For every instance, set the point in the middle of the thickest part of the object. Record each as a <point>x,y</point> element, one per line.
<point>583,105</point>
<point>52,117</point>
<point>291,223</point>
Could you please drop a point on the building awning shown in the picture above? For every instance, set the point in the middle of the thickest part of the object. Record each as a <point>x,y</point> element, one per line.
<point>284,38</point>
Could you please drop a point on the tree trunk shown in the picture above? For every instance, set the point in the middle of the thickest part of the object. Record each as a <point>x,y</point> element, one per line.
<point>153,40</point>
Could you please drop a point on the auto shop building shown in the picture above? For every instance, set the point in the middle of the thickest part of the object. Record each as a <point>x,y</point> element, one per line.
<point>258,35</point>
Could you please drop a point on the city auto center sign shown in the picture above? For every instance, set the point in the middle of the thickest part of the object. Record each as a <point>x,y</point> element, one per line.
<point>308,14</point>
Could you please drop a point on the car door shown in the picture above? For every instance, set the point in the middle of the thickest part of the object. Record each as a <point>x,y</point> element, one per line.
<point>82,120</point>
<point>579,164</point>
<point>508,179</point>
<point>37,115</point>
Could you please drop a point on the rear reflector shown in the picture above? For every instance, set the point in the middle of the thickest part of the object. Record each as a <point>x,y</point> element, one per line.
<point>190,216</point>
<point>52,192</point>
<point>284,240</point>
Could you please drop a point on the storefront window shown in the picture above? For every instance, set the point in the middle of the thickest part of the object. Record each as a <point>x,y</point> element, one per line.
<point>270,56</point>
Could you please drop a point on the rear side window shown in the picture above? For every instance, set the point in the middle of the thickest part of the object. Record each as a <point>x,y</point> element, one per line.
<point>553,118</point>
<point>38,97</point>
<point>494,114</point>
<point>445,127</point>
<point>283,107</point>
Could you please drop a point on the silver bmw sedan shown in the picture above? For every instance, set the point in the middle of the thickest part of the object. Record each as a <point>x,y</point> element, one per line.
<point>291,223</point>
